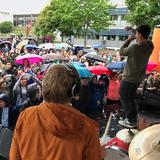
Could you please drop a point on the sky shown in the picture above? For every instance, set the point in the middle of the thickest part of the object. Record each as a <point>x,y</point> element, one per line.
<point>23,6</point>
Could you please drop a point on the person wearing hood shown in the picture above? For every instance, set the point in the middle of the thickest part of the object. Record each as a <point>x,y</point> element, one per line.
<point>6,111</point>
<point>54,130</point>
<point>134,72</point>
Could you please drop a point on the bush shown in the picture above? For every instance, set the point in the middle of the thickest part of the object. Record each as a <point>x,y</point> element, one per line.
<point>6,27</point>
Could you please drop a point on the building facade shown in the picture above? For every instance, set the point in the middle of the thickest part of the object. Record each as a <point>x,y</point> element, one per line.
<point>116,33</point>
<point>23,19</point>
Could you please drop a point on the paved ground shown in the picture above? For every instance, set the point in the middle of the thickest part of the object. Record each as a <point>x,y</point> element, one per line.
<point>102,121</point>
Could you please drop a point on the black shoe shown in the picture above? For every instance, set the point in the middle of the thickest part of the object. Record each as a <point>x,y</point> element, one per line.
<point>128,124</point>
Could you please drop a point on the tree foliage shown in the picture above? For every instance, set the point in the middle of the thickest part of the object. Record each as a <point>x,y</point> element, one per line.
<point>144,12</point>
<point>6,27</point>
<point>73,16</point>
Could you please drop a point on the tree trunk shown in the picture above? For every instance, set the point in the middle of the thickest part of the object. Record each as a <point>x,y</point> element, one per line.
<point>85,40</point>
<point>62,38</point>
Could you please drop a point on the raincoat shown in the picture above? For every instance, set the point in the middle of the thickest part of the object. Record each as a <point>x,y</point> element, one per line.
<point>54,132</point>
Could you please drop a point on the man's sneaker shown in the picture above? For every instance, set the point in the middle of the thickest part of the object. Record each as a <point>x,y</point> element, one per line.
<point>127,124</point>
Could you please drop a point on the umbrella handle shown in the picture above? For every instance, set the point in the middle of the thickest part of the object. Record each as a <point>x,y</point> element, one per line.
<point>48,66</point>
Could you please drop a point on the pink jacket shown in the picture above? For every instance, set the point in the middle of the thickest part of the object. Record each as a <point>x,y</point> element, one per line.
<point>113,90</point>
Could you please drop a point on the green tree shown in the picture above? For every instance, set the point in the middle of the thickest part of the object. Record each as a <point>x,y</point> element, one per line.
<point>6,27</point>
<point>73,17</point>
<point>144,12</point>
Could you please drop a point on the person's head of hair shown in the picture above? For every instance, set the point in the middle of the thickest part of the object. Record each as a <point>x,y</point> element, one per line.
<point>84,81</point>
<point>24,80</point>
<point>94,79</point>
<point>4,100</point>
<point>57,85</point>
<point>26,62</point>
<point>144,30</point>
<point>114,75</point>
<point>9,65</point>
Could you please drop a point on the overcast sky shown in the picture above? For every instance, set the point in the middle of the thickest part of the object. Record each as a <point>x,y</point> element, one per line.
<point>23,6</point>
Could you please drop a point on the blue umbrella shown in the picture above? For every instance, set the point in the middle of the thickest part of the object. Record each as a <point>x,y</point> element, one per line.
<point>30,46</point>
<point>78,63</point>
<point>117,65</point>
<point>83,72</point>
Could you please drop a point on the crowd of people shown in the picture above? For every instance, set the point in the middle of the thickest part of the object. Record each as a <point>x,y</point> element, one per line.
<point>21,84</point>
<point>53,90</point>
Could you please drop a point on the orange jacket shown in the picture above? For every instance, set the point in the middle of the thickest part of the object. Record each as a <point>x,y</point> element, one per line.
<point>54,132</point>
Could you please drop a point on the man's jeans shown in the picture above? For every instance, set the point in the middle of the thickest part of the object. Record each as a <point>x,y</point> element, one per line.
<point>127,95</point>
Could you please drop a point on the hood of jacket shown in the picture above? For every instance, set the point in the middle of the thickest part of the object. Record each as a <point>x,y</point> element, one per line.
<point>63,120</point>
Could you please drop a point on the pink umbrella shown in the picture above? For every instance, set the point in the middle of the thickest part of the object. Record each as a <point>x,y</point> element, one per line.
<point>33,58</point>
<point>53,56</point>
<point>151,66</point>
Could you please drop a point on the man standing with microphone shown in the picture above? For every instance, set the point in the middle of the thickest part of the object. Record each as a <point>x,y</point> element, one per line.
<point>134,72</point>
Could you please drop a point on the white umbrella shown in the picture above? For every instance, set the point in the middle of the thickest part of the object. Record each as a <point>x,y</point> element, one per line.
<point>47,46</point>
<point>62,45</point>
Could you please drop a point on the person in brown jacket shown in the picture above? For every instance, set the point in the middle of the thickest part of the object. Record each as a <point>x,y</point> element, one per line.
<point>54,130</point>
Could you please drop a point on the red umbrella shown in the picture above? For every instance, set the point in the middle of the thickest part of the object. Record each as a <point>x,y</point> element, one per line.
<point>151,66</point>
<point>98,70</point>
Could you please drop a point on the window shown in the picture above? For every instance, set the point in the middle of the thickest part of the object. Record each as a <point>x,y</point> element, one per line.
<point>123,17</point>
<point>97,36</point>
<point>122,38</point>
<point>111,37</point>
<point>114,17</point>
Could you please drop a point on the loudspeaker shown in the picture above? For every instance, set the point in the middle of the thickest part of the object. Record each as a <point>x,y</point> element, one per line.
<point>5,142</point>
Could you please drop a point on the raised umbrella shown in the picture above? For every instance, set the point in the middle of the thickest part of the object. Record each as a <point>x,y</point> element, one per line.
<point>120,66</point>
<point>53,56</point>
<point>33,58</point>
<point>95,57</point>
<point>98,70</point>
<point>47,46</point>
<point>82,71</point>
<point>31,46</point>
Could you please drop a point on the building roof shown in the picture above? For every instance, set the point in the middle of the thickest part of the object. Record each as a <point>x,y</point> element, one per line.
<point>116,32</point>
<point>119,11</point>
<point>25,15</point>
